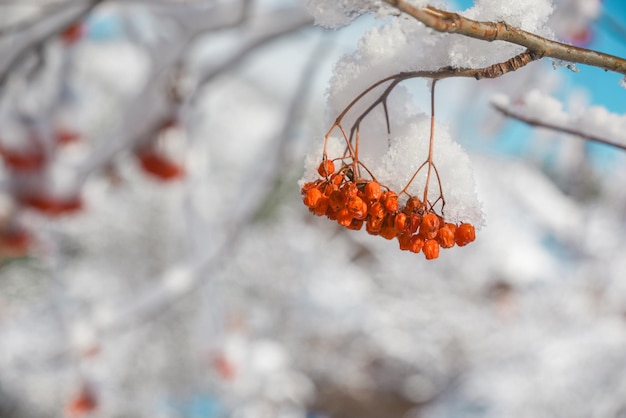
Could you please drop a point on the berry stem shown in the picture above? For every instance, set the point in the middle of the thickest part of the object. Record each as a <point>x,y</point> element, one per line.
<point>432,140</point>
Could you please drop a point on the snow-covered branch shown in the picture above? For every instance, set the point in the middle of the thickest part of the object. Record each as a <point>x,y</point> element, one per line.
<point>594,124</point>
<point>443,21</point>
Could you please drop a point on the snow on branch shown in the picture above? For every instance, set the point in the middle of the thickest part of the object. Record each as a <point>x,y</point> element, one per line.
<point>443,21</point>
<point>537,109</point>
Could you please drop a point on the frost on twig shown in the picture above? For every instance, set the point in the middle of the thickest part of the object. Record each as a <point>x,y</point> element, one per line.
<point>540,110</point>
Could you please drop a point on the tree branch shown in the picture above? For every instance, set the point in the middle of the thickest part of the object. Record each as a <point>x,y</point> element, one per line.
<point>510,113</point>
<point>443,21</point>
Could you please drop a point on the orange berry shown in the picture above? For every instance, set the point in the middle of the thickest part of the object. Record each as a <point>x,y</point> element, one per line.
<point>322,206</point>
<point>336,200</point>
<point>377,211</point>
<point>363,213</point>
<point>445,237</point>
<point>390,201</point>
<point>431,249</point>
<point>451,226</point>
<point>400,222</point>
<point>388,231</point>
<point>414,222</point>
<point>404,240</point>
<point>349,190</point>
<point>356,224</point>
<point>307,186</point>
<point>372,191</point>
<point>429,226</point>
<point>413,205</point>
<point>159,166</point>
<point>73,33</point>
<point>416,244</point>
<point>326,168</point>
<point>373,225</point>
<point>312,197</point>
<point>329,188</point>
<point>331,214</point>
<point>356,206</point>
<point>337,179</point>
<point>51,205</point>
<point>344,217</point>
<point>464,234</point>
<point>83,403</point>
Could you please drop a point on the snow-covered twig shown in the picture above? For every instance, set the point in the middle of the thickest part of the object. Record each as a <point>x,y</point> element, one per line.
<point>50,27</point>
<point>443,21</point>
<point>587,126</point>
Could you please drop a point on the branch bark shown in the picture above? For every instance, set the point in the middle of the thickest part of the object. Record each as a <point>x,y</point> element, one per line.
<point>443,21</point>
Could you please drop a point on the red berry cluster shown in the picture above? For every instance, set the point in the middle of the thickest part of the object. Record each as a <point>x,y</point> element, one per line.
<point>354,203</point>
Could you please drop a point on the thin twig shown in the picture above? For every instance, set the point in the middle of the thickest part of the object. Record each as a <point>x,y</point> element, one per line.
<point>506,111</point>
<point>443,21</point>
<point>40,40</point>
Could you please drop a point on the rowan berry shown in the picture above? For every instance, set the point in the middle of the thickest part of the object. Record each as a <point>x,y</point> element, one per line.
<point>376,210</point>
<point>159,166</point>
<point>431,249</point>
<point>429,226</point>
<point>388,231</point>
<point>312,197</point>
<point>414,222</point>
<point>464,234</point>
<point>356,224</point>
<point>445,237</point>
<point>329,188</point>
<point>400,222</point>
<point>349,190</point>
<point>373,225</point>
<point>83,403</point>
<point>322,207</point>
<point>344,217</point>
<point>416,244</point>
<point>336,200</point>
<point>337,178</point>
<point>390,201</point>
<point>404,240</point>
<point>413,205</point>
<point>307,186</point>
<point>372,191</point>
<point>331,214</point>
<point>326,168</point>
<point>73,33</point>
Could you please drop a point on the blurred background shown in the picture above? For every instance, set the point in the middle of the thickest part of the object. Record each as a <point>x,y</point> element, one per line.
<point>157,260</point>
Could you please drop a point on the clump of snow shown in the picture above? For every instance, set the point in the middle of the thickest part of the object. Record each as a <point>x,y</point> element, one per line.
<point>539,105</point>
<point>409,149</point>
<point>530,15</point>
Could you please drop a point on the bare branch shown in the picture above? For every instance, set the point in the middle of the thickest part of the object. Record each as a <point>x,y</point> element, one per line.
<point>510,113</point>
<point>443,21</point>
